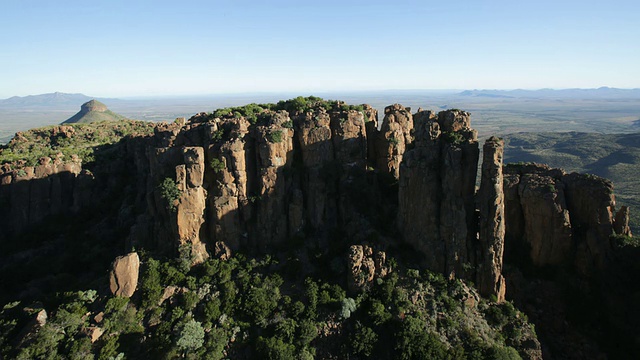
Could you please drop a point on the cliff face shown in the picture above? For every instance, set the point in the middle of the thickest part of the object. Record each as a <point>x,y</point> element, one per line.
<point>322,174</point>
<point>560,219</point>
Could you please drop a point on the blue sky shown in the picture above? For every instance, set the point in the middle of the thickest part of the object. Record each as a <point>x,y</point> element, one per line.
<point>139,48</point>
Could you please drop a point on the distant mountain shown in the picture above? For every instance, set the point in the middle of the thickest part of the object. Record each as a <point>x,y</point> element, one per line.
<point>602,92</point>
<point>56,99</point>
<point>93,111</point>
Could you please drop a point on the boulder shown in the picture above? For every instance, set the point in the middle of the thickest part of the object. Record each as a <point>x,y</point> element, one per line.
<point>124,275</point>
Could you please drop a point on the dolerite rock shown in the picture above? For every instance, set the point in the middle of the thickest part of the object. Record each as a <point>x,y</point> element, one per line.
<point>454,120</point>
<point>313,133</point>
<point>392,139</point>
<point>29,194</point>
<point>436,211</point>
<point>192,202</point>
<point>621,222</point>
<point>124,275</point>
<point>492,228</point>
<point>230,201</point>
<point>371,126</point>
<point>274,147</point>
<point>348,134</point>
<point>547,225</point>
<point>591,204</point>
<point>420,192</point>
<point>364,267</point>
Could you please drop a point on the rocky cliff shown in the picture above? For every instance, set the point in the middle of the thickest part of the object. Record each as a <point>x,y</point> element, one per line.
<point>258,179</point>
<point>333,177</point>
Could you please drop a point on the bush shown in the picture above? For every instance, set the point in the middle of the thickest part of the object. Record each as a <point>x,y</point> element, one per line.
<point>217,165</point>
<point>287,124</point>
<point>307,331</point>
<point>363,340</point>
<point>275,136</point>
<point>621,241</point>
<point>348,306</point>
<point>413,341</point>
<point>453,137</point>
<point>191,336</point>
<point>274,348</point>
<point>170,193</point>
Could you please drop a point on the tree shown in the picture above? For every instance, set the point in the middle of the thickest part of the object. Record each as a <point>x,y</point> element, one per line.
<point>191,336</point>
<point>170,193</point>
<point>363,340</point>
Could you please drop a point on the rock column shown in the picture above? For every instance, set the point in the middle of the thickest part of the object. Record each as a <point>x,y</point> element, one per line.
<point>492,221</point>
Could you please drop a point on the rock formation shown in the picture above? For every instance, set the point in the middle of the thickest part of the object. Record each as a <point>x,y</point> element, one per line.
<point>559,219</point>
<point>436,192</point>
<point>124,275</point>
<point>621,222</point>
<point>33,193</point>
<point>492,222</point>
<point>392,139</point>
<point>326,174</point>
<point>365,266</point>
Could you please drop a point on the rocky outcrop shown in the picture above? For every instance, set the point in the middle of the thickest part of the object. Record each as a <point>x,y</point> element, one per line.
<point>365,265</point>
<point>274,147</point>
<point>326,174</point>
<point>392,139</point>
<point>124,275</point>
<point>313,134</point>
<point>191,203</point>
<point>558,219</point>
<point>31,194</point>
<point>591,206</point>
<point>621,222</point>
<point>492,221</point>
<point>436,211</point>
<point>228,168</point>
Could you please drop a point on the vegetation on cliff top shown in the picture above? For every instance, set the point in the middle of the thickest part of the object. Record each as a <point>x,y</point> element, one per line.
<point>68,140</point>
<point>299,104</point>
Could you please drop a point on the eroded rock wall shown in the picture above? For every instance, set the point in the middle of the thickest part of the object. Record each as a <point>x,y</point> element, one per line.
<point>558,219</point>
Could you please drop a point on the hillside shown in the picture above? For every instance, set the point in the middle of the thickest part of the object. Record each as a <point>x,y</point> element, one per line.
<point>308,229</point>
<point>612,156</point>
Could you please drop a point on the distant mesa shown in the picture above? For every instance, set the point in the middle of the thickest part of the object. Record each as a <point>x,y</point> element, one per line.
<point>93,111</point>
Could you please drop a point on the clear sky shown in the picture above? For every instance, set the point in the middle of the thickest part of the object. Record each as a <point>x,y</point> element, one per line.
<point>181,47</point>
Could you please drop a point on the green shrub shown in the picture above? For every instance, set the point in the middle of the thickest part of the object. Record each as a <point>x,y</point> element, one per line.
<point>453,137</point>
<point>191,336</point>
<point>620,241</point>
<point>287,124</point>
<point>275,136</point>
<point>217,165</point>
<point>274,348</point>
<point>348,306</point>
<point>170,193</point>
<point>363,340</point>
<point>217,135</point>
<point>307,331</point>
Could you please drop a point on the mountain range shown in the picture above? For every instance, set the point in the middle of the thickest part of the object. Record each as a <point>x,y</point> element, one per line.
<point>47,100</point>
<point>599,93</point>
